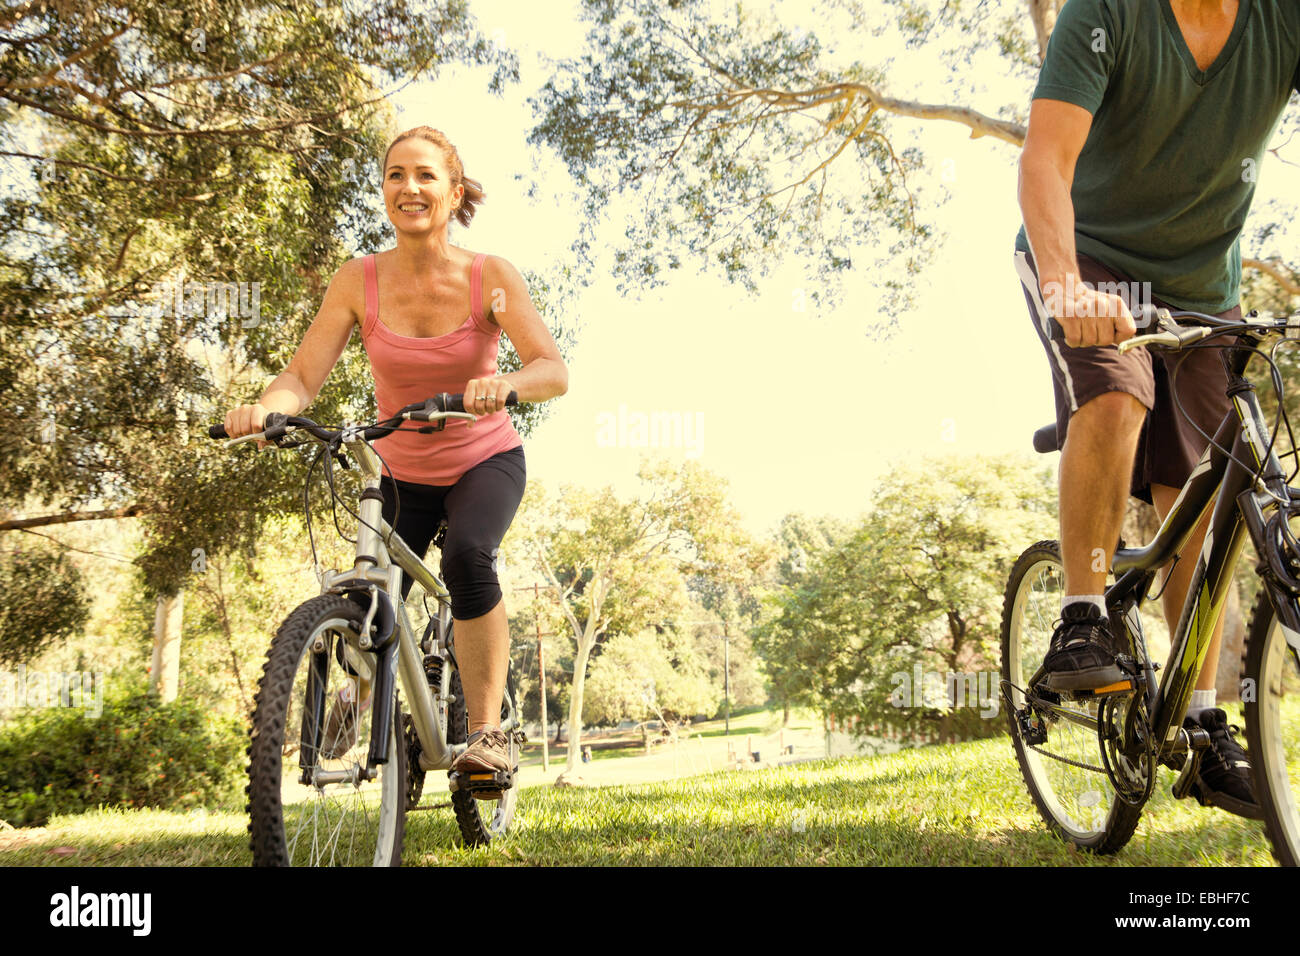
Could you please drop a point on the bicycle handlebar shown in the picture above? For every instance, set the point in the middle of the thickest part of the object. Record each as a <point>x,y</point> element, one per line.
<point>442,406</point>
<point>1174,336</point>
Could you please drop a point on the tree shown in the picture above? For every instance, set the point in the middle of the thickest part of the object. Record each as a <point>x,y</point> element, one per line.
<point>917,585</point>
<point>800,540</point>
<point>613,562</point>
<point>747,140</point>
<point>44,602</point>
<point>654,673</point>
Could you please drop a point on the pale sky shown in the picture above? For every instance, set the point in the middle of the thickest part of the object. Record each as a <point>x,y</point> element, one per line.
<point>965,373</point>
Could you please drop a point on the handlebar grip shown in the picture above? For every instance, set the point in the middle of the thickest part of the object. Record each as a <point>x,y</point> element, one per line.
<point>275,425</point>
<point>456,403</point>
<point>217,431</point>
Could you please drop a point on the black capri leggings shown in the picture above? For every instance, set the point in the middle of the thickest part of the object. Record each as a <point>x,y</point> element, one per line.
<point>478,508</point>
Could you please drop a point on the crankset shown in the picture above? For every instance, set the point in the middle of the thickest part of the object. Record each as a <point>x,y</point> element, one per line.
<point>1128,749</point>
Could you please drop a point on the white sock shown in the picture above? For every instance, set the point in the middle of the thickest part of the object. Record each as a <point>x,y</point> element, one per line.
<point>1202,700</point>
<point>1096,600</point>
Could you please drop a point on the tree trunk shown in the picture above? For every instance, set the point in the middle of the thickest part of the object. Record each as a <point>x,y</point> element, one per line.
<point>1043,13</point>
<point>575,711</point>
<point>164,672</point>
<point>785,715</point>
<point>219,597</point>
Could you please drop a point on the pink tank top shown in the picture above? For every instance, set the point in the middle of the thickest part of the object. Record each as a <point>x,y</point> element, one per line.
<point>408,369</point>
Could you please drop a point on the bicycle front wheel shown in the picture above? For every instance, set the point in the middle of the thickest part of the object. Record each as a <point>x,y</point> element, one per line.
<point>1271,698</point>
<point>308,804</point>
<point>1064,773</point>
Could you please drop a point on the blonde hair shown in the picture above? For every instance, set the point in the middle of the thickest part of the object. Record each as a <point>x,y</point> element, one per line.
<point>469,202</point>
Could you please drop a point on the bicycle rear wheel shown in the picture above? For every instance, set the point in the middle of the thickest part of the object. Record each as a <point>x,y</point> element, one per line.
<point>1272,709</point>
<point>482,821</point>
<point>1064,773</point>
<point>307,704</point>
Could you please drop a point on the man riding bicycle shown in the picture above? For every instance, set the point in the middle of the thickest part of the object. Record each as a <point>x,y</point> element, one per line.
<point>1148,123</point>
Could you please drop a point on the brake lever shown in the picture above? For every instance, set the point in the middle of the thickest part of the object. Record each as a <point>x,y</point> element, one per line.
<point>1175,336</point>
<point>256,436</point>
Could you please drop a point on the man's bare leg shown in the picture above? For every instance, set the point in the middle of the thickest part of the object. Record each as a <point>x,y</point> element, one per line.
<point>1096,471</point>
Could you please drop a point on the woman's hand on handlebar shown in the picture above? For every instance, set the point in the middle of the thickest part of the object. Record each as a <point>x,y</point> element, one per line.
<point>483,396</point>
<point>246,420</point>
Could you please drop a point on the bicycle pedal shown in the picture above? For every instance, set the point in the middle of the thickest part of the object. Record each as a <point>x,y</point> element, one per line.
<point>484,785</point>
<point>1185,785</point>
<point>1123,688</point>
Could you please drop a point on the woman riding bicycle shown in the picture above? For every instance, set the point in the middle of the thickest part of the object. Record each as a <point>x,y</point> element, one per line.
<point>422,344</point>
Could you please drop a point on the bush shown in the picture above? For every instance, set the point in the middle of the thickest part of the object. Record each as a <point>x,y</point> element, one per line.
<point>137,753</point>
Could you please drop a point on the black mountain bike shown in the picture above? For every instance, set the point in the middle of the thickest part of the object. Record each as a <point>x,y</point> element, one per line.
<point>334,764</point>
<point>1090,762</point>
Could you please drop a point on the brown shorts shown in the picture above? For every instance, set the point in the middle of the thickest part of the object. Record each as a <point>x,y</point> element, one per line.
<point>1170,444</point>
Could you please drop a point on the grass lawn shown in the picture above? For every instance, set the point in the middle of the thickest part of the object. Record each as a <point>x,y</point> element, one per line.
<point>962,804</point>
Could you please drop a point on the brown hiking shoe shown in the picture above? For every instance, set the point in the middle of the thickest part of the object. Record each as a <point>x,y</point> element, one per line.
<point>340,733</point>
<point>488,753</point>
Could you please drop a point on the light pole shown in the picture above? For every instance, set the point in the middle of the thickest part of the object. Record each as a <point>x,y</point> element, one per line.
<point>541,674</point>
<point>726,675</point>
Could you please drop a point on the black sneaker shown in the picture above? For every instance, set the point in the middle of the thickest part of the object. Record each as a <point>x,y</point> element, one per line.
<point>1224,777</point>
<point>1081,658</point>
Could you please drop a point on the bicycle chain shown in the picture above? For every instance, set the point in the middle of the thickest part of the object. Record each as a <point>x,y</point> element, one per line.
<point>1045,753</point>
<point>1072,763</point>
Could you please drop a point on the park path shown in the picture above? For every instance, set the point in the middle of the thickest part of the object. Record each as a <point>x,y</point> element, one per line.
<point>698,755</point>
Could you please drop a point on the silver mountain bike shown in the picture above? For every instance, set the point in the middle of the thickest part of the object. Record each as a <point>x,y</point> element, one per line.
<point>334,763</point>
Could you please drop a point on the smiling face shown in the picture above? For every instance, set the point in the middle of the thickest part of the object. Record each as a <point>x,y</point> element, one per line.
<point>419,194</point>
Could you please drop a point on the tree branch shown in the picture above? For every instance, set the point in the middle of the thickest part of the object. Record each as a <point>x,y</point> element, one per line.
<point>130,511</point>
<point>1043,13</point>
<point>105,172</point>
<point>48,78</point>
<point>979,123</point>
<point>1274,270</point>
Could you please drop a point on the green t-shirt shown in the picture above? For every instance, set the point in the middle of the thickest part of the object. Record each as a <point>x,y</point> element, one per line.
<point>1166,176</point>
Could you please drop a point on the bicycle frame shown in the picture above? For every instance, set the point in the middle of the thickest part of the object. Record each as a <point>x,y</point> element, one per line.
<point>1238,500</point>
<point>382,565</point>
